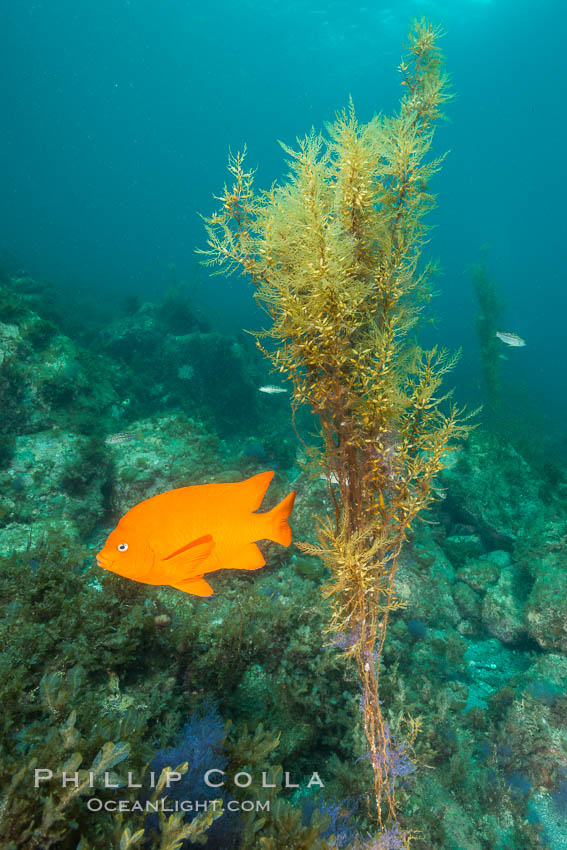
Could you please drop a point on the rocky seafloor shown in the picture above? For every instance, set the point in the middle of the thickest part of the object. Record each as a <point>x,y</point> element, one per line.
<point>97,420</point>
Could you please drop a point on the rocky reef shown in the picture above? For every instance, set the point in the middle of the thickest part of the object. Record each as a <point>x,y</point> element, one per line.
<point>102,675</point>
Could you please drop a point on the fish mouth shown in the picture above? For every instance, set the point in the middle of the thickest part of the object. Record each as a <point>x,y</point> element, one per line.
<point>101,563</point>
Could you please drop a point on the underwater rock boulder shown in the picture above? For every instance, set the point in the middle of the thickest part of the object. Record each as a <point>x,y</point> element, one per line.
<point>461,547</point>
<point>21,293</point>
<point>210,370</point>
<point>18,395</point>
<point>50,479</point>
<point>473,581</point>
<point>136,339</point>
<point>46,379</point>
<point>490,666</point>
<point>69,387</point>
<point>502,607</point>
<point>18,538</point>
<point>531,737</point>
<point>481,573</point>
<point>158,454</point>
<point>10,342</point>
<point>547,676</point>
<point>59,374</point>
<point>469,604</point>
<point>545,612</point>
<point>492,489</point>
<point>424,582</point>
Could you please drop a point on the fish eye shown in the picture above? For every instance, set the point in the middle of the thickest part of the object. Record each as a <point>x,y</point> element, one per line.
<point>122,547</point>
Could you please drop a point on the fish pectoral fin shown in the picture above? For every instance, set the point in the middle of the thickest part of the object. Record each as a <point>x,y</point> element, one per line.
<point>188,563</point>
<point>197,586</point>
<point>193,552</point>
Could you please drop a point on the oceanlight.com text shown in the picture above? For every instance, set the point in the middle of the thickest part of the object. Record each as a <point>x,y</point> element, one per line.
<point>95,804</point>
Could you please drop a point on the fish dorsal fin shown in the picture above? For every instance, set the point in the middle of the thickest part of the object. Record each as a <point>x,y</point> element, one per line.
<point>197,586</point>
<point>200,544</point>
<point>252,491</point>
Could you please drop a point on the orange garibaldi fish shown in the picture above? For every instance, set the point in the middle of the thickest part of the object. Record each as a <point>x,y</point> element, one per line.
<point>177,536</point>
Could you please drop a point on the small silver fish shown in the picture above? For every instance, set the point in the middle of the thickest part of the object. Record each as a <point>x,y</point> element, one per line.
<point>272,390</point>
<point>510,338</point>
<point>122,437</point>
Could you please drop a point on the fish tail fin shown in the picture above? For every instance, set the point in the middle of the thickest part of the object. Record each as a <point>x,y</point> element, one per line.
<point>277,527</point>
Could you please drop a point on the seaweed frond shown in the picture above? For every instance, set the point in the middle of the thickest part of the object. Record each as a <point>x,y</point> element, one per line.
<point>334,254</point>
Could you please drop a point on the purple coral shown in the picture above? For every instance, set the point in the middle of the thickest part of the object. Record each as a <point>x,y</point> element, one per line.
<point>392,758</point>
<point>346,640</point>
<point>391,839</point>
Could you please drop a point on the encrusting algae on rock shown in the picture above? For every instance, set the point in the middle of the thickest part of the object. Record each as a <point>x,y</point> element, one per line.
<point>333,252</point>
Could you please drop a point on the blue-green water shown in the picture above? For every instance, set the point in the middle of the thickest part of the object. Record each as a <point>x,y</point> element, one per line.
<point>125,372</point>
<point>118,117</point>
